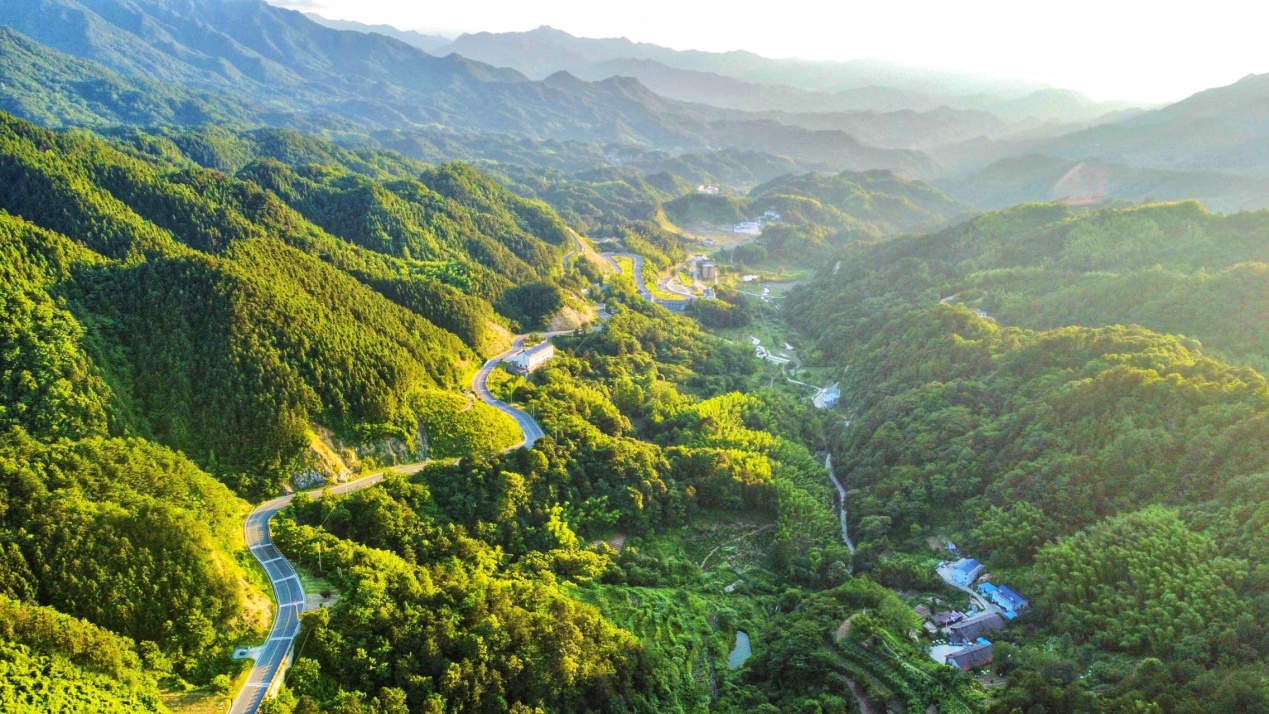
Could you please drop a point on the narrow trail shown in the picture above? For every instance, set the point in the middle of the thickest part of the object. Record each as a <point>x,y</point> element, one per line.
<point>740,537</point>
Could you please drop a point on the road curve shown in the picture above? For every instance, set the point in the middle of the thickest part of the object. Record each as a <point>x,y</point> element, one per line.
<point>641,284</point>
<point>581,249</point>
<point>287,589</point>
<point>480,384</point>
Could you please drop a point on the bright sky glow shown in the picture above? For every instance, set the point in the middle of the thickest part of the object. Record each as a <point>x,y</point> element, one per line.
<point>1109,49</point>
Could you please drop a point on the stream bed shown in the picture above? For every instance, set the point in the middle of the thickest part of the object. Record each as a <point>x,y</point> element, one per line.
<point>740,652</point>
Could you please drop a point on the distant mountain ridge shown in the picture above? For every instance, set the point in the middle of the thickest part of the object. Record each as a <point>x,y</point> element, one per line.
<point>426,42</point>
<point>744,80</point>
<point>556,49</point>
<point>290,66</point>
<point>187,62</point>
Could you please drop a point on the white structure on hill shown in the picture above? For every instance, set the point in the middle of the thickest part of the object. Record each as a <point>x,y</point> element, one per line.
<point>747,228</point>
<point>527,360</point>
<point>965,571</point>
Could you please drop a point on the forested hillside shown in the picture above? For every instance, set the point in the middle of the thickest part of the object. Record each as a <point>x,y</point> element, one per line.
<point>206,313</point>
<point>1175,268</point>
<point>244,254</point>
<point>649,448</point>
<point>53,662</point>
<point>1110,471</point>
<point>150,305</point>
<point>819,213</point>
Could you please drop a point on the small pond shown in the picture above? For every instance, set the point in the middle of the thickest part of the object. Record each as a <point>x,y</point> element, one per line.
<point>740,652</point>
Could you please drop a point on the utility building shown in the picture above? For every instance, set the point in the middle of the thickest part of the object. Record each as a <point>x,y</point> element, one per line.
<point>527,360</point>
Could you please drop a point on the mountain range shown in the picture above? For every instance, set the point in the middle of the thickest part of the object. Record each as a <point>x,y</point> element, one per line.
<point>299,72</point>
<point>746,81</point>
<point>547,98</point>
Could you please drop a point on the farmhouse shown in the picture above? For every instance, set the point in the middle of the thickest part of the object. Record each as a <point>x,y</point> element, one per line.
<point>967,631</point>
<point>1007,598</point>
<point>827,397</point>
<point>975,655</point>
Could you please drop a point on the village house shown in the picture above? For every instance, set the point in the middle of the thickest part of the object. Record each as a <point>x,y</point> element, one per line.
<point>975,627</point>
<point>965,571</point>
<point>1010,599</point>
<point>828,397</point>
<point>975,655</point>
<point>1007,598</point>
<point>943,619</point>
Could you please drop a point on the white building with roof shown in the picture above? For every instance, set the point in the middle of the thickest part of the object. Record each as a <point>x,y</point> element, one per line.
<point>965,571</point>
<point>527,360</point>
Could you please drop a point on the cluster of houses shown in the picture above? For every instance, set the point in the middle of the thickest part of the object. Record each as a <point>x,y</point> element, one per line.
<point>967,632</point>
<point>754,228</point>
<point>703,268</point>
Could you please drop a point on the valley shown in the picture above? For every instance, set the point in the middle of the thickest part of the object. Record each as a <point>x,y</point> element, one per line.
<point>349,368</point>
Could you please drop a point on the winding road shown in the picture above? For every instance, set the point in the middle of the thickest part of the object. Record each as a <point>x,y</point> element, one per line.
<point>287,589</point>
<point>581,248</point>
<point>480,384</point>
<point>644,292</point>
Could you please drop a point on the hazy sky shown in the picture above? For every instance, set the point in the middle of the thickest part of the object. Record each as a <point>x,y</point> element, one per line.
<point>1110,49</point>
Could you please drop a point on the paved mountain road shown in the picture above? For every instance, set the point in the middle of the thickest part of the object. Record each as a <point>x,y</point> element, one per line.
<point>287,589</point>
<point>480,384</point>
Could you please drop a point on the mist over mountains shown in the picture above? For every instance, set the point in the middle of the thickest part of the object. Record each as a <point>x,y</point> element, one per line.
<point>191,61</point>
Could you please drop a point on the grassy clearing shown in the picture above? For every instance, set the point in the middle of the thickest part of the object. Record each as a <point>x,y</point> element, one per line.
<point>625,263</point>
<point>197,701</point>
<point>314,586</point>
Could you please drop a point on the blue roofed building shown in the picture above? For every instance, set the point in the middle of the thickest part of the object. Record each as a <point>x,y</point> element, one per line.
<point>1009,600</point>
<point>965,571</point>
